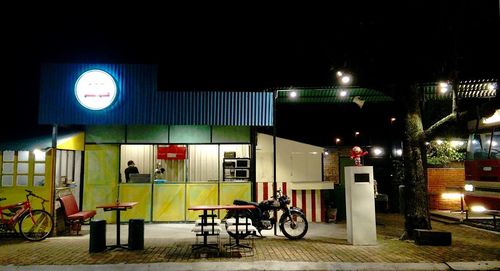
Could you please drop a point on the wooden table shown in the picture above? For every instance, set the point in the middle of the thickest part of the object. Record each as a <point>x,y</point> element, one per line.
<point>118,207</point>
<point>205,216</point>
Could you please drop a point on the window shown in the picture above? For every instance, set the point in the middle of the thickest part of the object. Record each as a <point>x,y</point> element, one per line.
<point>20,168</point>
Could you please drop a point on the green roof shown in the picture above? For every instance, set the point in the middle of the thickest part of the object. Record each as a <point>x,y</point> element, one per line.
<point>466,90</point>
<point>332,95</point>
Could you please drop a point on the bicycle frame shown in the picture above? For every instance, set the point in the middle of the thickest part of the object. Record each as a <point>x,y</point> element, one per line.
<point>24,207</point>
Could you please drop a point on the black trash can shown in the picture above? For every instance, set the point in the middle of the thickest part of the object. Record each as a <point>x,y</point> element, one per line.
<point>136,234</point>
<point>97,236</point>
<point>402,198</point>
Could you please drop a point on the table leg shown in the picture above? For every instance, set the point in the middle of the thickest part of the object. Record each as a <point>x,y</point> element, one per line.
<point>118,244</point>
<point>117,228</point>
<point>204,222</point>
<point>237,235</point>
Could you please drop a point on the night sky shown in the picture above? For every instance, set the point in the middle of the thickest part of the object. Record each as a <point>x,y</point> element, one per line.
<point>256,48</point>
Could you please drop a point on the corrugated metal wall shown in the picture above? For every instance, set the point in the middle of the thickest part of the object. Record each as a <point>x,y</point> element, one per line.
<point>139,102</point>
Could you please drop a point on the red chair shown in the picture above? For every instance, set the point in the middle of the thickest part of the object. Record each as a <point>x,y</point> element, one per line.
<point>74,218</point>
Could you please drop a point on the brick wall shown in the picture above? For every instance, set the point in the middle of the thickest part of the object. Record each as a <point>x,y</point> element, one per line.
<point>438,181</point>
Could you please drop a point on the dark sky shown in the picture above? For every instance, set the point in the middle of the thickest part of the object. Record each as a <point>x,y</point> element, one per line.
<point>255,48</point>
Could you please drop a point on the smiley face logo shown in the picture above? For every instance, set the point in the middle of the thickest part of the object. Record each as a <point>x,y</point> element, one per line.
<point>95,89</point>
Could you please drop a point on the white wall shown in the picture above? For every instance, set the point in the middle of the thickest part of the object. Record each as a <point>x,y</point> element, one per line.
<point>295,161</point>
<point>203,163</point>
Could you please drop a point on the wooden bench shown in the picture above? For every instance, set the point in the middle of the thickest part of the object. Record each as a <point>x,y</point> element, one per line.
<point>73,217</point>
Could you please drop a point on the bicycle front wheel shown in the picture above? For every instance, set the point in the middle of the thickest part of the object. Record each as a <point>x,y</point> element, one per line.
<point>37,225</point>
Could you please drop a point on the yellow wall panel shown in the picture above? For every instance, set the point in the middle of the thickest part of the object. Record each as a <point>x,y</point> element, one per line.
<point>200,194</point>
<point>101,179</point>
<point>169,202</point>
<point>75,142</point>
<point>140,193</point>
<point>17,194</point>
<point>231,191</point>
<point>95,195</point>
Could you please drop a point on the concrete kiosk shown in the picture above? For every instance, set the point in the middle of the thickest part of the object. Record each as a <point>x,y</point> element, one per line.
<point>360,205</point>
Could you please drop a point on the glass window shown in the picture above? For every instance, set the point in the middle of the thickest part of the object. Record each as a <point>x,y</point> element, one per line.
<point>479,146</point>
<point>8,156</point>
<point>23,156</point>
<point>39,168</point>
<point>39,156</point>
<point>39,181</point>
<point>8,168</point>
<point>22,168</point>
<point>7,180</point>
<point>22,180</point>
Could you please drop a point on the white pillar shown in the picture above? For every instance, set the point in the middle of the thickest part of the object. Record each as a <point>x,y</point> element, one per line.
<point>360,205</point>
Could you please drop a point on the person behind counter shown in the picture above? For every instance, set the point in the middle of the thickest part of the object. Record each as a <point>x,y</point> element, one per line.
<point>159,173</point>
<point>130,169</point>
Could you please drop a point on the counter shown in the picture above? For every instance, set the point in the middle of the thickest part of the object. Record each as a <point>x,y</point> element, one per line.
<point>169,201</point>
<point>136,192</point>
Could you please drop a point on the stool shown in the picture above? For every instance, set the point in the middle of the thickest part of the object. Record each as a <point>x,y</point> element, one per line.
<point>136,234</point>
<point>97,241</point>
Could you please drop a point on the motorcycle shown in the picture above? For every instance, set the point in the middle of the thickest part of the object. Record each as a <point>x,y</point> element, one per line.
<point>292,223</point>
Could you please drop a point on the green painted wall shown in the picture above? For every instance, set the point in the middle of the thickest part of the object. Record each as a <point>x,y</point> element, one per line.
<point>105,134</point>
<point>189,134</point>
<point>149,134</point>
<point>230,134</point>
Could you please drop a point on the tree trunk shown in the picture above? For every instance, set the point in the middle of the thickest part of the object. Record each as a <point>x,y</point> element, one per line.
<point>416,212</point>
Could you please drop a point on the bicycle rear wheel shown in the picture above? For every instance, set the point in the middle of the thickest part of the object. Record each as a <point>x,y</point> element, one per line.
<point>37,225</point>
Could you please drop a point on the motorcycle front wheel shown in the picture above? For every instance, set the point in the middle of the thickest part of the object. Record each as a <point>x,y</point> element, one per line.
<point>294,226</point>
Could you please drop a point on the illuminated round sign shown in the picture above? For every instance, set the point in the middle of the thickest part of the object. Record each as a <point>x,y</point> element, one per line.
<point>95,89</point>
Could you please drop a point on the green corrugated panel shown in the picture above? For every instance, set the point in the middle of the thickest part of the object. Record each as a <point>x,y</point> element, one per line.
<point>105,134</point>
<point>466,89</point>
<point>189,134</point>
<point>147,134</point>
<point>333,95</point>
<point>230,134</point>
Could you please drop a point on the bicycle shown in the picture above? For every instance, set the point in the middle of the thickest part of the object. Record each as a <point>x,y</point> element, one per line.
<point>34,225</point>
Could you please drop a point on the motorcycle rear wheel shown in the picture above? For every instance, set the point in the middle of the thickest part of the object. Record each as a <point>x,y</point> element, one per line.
<point>295,226</point>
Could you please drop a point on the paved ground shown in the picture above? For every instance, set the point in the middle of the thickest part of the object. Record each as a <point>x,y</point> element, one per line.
<point>168,246</point>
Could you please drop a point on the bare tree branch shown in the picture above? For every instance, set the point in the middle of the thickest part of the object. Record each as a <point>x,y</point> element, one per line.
<point>452,116</point>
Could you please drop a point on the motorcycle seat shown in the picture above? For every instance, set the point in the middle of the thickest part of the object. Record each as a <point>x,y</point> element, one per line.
<point>243,202</point>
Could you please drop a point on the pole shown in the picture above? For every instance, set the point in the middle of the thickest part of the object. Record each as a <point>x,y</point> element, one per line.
<point>53,181</point>
<point>275,96</point>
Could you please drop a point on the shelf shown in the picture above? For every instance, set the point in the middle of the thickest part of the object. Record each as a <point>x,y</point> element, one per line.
<point>236,169</point>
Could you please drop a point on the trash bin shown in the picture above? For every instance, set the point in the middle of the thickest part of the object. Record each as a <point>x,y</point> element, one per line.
<point>402,198</point>
<point>97,236</point>
<point>136,234</point>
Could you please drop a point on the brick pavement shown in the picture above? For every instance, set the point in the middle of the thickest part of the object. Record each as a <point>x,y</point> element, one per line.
<point>468,244</point>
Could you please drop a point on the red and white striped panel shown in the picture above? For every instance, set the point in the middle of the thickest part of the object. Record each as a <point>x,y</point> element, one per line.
<point>310,201</point>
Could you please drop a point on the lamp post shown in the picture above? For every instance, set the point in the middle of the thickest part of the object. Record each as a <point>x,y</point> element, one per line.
<point>275,97</point>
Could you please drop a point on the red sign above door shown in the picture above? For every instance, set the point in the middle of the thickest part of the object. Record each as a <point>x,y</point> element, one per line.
<point>172,152</point>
